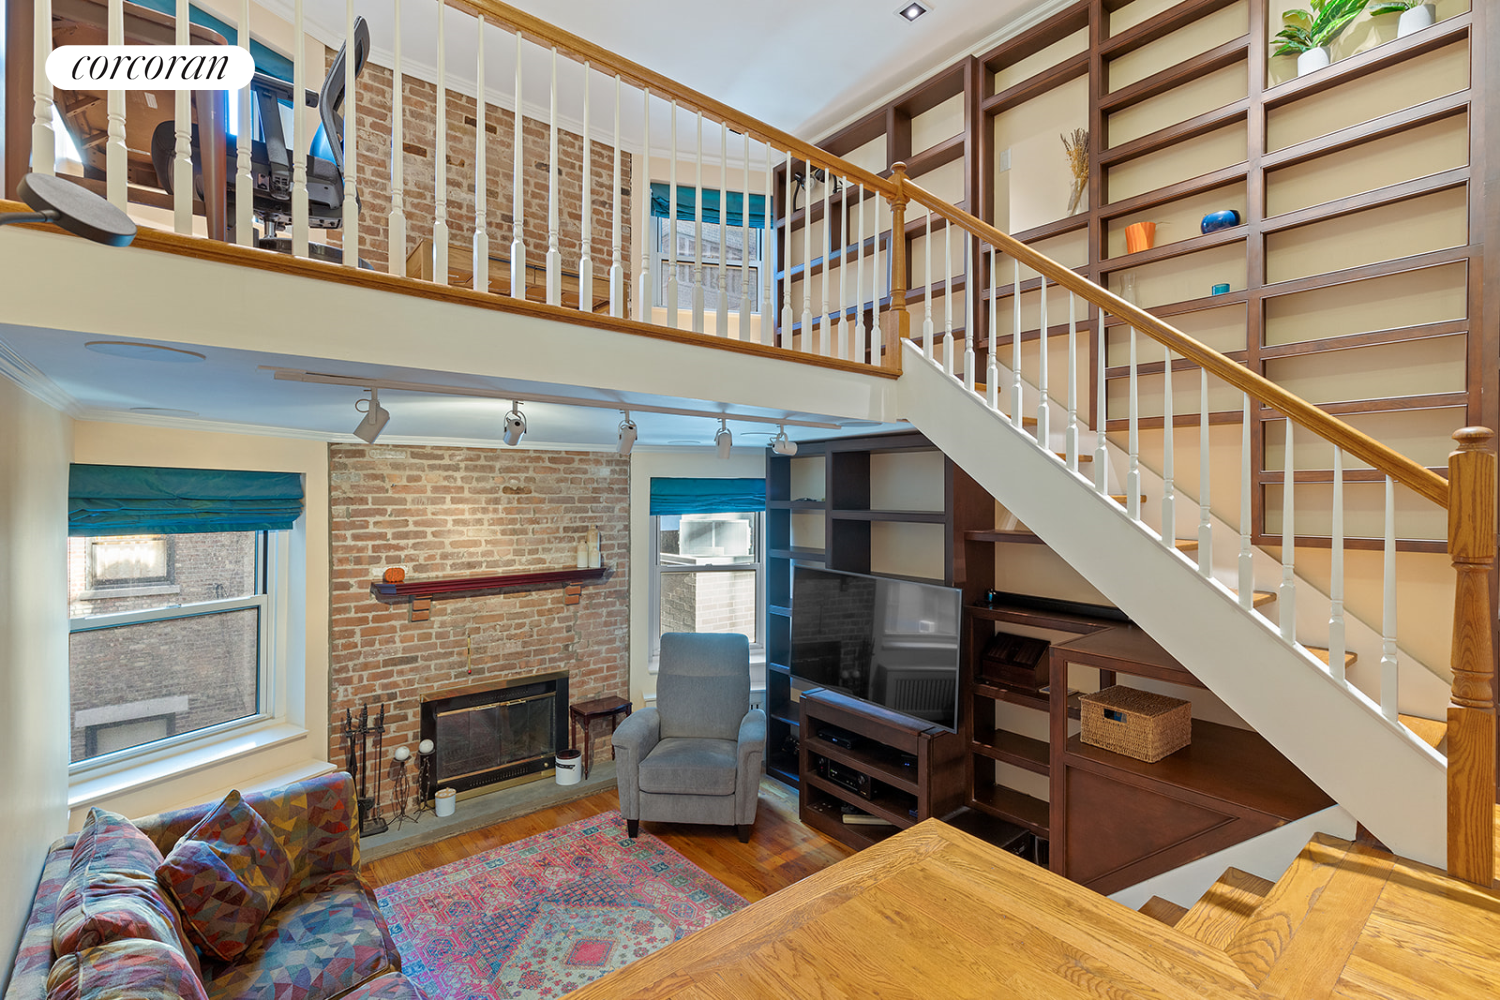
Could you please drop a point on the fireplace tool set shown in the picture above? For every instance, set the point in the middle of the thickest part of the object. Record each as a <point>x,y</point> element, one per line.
<point>356,762</point>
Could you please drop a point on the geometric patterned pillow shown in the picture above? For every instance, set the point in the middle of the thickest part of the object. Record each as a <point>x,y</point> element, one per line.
<point>226,874</point>
<point>139,970</point>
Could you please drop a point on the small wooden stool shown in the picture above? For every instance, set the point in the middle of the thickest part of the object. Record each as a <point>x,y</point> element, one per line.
<point>610,707</point>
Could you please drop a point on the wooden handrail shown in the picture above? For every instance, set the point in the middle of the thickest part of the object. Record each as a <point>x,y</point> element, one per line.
<point>633,72</point>
<point>1394,464</point>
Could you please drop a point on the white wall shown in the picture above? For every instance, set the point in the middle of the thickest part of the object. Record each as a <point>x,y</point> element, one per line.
<point>33,649</point>
<point>305,702</point>
<point>694,463</point>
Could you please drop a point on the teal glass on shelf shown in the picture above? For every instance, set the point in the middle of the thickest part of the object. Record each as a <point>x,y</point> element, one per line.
<point>1222,289</point>
<point>1215,221</point>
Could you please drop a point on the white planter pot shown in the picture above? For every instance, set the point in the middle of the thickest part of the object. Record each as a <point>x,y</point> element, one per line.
<point>569,767</point>
<point>443,801</point>
<point>1312,60</point>
<point>1415,19</point>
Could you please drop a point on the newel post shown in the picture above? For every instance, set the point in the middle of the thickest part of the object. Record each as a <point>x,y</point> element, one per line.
<point>899,326</point>
<point>1471,714</point>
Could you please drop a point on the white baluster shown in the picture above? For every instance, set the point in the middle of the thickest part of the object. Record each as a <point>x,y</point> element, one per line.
<point>481,263</point>
<point>116,154</point>
<point>1390,674</point>
<point>844,346</point>
<point>182,160</point>
<point>440,157</point>
<point>859,282</point>
<point>824,347</point>
<point>518,195</point>
<point>1044,394</point>
<point>1015,351</point>
<point>1247,557</point>
<point>1286,595</point>
<point>787,317</point>
<point>673,286</point>
<point>43,140</point>
<point>1070,436</point>
<point>992,367</point>
<point>351,139</point>
<point>767,260</point>
<point>1336,643</point>
<point>586,208</point>
<point>698,235</point>
<point>616,266</point>
<point>721,318</point>
<point>1205,511</point>
<point>395,262</point>
<point>646,290</point>
<point>927,326</point>
<point>948,298</point>
<point>807,257</point>
<point>1101,413</point>
<point>298,145</point>
<point>554,254</point>
<point>1168,462</point>
<point>1133,477</point>
<point>969,328</point>
<point>746,296</point>
<point>877,337</point>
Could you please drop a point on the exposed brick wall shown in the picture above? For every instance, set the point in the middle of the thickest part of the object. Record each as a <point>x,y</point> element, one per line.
<point>468,512</point>
<point>419,142</point>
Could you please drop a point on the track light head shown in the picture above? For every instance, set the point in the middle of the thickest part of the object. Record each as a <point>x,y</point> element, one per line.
<point>375,419</point>
<point>723,440</point>
<point>628,434</point>
<point>515,426</point>
<point>783,445</point>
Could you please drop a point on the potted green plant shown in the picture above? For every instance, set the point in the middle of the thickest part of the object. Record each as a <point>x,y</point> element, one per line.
<point>1307,34</point>
<point>1415,15</point>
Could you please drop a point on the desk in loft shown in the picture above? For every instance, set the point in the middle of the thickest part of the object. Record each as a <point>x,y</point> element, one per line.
<point>461,274</point>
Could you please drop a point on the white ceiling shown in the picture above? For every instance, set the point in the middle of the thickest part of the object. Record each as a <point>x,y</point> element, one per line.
<point>232,390</point>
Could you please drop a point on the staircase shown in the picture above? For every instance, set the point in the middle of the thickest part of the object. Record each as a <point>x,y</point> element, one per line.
<point>1348,920</point>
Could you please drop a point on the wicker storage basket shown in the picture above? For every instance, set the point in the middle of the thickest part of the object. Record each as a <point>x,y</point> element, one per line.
<point>1136,723</point>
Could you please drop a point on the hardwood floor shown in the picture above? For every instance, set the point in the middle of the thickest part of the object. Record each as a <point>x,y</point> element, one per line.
<point>781,850</point>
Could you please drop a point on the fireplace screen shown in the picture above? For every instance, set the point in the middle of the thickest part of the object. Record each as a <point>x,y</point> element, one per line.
<point>483,736</point>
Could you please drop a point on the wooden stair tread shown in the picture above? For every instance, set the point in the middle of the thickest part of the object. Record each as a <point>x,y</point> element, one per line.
<point>1432,731</point>
<point>1225,907</point>
<point>1120,498</point>
<point>1164,910</point>
<point>1262,597</point>
<point>1324,654</point>
<point>1186,544</point>
<point>1082,456</point>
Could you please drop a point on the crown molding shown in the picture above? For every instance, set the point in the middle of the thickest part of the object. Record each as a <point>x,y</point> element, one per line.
<point>33,381</point>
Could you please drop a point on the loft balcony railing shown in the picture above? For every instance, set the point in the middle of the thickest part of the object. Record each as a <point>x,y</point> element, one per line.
<point>842,300</point>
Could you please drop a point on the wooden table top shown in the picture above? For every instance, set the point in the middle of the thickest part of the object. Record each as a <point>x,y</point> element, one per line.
<point>930,912</point>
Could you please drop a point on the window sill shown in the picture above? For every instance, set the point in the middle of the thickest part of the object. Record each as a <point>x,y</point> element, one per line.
<point>94,785</point>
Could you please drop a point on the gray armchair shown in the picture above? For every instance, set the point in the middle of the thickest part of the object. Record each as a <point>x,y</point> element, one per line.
<point>696,756</point>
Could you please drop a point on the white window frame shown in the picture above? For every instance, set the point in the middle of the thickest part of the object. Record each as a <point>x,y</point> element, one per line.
<point>757,648</point>
<point>661,263</point>
<point>273,563</point>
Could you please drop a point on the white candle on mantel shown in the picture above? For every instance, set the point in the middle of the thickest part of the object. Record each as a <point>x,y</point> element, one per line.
<point>402,753</point>
<point>424,747</point>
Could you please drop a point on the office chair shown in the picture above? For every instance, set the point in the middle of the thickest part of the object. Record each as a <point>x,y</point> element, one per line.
<point>270,160</point>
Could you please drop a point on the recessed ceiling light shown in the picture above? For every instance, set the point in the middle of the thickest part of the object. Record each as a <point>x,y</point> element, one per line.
<point>161,411</point>
<point>912,11</point>
<point>143,352</point>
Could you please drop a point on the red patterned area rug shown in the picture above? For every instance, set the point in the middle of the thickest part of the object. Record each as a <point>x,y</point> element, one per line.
<point>538,918</point>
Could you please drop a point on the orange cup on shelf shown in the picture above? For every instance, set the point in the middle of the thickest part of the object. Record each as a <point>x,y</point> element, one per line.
<point>1140,236</point>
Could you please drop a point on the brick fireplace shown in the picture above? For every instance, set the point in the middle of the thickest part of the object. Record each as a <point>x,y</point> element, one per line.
<point>440,511</point>
<point>495,734</point>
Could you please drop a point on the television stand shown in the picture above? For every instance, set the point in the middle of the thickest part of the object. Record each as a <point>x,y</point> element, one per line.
<point>898,772</point>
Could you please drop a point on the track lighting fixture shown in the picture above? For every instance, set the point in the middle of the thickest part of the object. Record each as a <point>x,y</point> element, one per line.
<point>627,434</point>
<point>783,445</point>
<point>375,419</point>
<point>723,440</point>
<point>515,425</point>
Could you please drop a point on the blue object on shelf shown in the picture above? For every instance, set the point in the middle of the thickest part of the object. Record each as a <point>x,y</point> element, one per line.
<point>1221,289</point>
<point>1215,221</point>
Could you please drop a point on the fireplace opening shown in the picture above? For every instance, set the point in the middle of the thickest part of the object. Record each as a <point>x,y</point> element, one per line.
<point>498,733</point>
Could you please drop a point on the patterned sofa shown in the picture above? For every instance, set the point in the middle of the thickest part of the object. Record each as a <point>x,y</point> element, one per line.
<point>324,939</point>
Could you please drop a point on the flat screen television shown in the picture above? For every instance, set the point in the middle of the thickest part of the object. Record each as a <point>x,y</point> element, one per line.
<point>891,642</point>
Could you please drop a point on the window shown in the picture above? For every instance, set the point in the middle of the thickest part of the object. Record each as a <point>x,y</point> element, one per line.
<point>168,636</point>
<point>714,243</point>
<point>707,575</point>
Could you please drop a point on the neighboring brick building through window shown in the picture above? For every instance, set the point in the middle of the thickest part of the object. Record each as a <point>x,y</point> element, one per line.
<point>706,574</point>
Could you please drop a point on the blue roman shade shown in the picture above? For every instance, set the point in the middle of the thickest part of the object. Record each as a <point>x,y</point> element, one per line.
<point>133,500</point>
<point>687,205</point>
<point>706,496</point>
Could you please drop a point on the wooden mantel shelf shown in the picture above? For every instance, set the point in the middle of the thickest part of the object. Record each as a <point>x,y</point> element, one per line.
<point>476,586</point>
